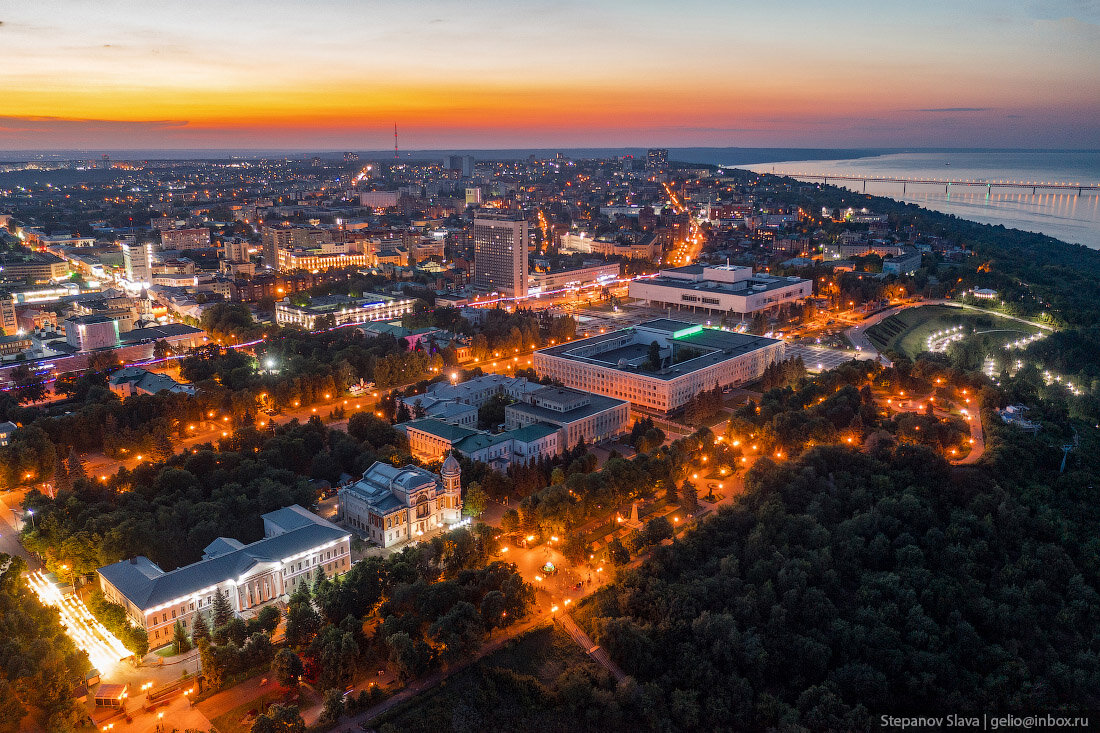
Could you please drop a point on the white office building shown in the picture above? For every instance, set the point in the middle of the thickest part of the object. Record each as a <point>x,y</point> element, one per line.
<point>721,289</point>
<point>690,358</point>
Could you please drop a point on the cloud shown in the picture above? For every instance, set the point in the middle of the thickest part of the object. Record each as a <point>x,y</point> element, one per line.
<point>34,132</point>
<point>13,123</point>
<point>951,109</point>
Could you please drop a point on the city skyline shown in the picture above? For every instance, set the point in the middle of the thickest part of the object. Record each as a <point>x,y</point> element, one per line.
<point>326,75</point>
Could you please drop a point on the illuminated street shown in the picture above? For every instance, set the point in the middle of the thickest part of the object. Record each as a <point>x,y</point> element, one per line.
<point>104,650</point>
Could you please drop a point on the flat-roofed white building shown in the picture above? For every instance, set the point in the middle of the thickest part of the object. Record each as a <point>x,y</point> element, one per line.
<point>576,277</point>
<point>343,309</point>
<point>720,289</point>
<point>577,415</point>
<point>691,358</point>
<point>296,544</point>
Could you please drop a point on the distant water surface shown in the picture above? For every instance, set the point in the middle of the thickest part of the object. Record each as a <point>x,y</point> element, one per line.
<point>1064,215</point>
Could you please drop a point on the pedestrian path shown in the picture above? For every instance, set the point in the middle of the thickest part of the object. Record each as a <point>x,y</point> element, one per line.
<point>598,653</point>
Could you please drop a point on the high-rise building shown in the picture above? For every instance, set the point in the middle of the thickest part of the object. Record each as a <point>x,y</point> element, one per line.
<point>463,163</point>
<point>276,239</point>
<point>500,254</point>
<point>656,159</point>
<point>196,238</point>
<point>138,259</point>
<point>8,320</point>
<point>235,250</point>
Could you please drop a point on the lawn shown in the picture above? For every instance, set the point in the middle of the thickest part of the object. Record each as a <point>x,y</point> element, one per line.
<point>514,688</point>
<point>237,720</point>
<point>908,331</point>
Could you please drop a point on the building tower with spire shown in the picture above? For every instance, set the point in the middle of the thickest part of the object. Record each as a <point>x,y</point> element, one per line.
<point>451,500</point>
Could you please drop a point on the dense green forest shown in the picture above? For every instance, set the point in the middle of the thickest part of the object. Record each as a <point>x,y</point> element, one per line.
<point>845,585</point>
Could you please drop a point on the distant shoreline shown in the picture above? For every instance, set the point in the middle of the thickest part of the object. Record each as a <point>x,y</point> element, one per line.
<point>731,156</point>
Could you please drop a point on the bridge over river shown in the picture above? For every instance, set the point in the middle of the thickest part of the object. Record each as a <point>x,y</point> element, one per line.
<point>1077,189</point>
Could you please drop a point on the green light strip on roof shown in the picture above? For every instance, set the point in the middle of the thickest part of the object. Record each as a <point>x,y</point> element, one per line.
<point>686,332</point>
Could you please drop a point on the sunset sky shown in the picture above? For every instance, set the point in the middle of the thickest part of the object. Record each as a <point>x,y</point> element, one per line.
<point>337,74</point>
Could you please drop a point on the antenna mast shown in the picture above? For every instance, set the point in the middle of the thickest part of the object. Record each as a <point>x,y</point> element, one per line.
<point>395,155</point>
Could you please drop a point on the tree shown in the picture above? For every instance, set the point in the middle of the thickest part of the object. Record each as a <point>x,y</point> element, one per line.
<point>236,630</point>
<point>410,658</point>
<point>655,530</point>
<point>287,668</point>
<point>268,619</point>
<point>576,547</point>
<point>75,467</point>
<point>302,622</point>
<point>653,357</point>
<point>212,667</point>
<point>61,479</point>
<point>617,553</point>
<point>510,521</point>
<point>258,650</point>
<point>336,653</point>
<point>473,504</point>
<point>691,496</point>
<point>493,611</point>
<point>199,628</point>
<point>179,638</point>
<point>279,718</point>
<point>136,640</point>
<point>332,708</point>
<point>222,610</point>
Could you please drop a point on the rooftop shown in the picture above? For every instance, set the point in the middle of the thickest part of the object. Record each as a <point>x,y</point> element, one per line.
<point>534,431</point>
<point>292,530</point>
<point>758,283</point>
<point>334,303</point>
<point>381,484</point>
<point>167,330</point>
<point>594,404</point>
<point>477,441</point>
<point>440,429</point>
<point>617,349</point>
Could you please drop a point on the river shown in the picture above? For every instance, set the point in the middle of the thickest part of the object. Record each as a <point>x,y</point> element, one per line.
<point>1064,215</point>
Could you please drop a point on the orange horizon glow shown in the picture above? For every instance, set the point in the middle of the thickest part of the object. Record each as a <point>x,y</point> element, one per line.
<point>693,73</point>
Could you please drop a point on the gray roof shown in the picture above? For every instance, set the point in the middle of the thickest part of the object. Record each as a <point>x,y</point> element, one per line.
<point>718,345</point>
<point>145,585</point>
<point>166,330</point>
<point>151,382</point>
<point>382,483</point>
<point>758,283</point>
<point>596,403</point>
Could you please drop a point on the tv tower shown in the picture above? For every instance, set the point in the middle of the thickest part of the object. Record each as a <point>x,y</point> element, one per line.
<point>395,155</point>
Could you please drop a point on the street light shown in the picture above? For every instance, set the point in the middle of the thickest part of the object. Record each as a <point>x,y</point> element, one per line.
<point>31,512</point>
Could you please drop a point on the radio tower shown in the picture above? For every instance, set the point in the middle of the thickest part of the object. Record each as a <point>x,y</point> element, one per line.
<point>395,155</point>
